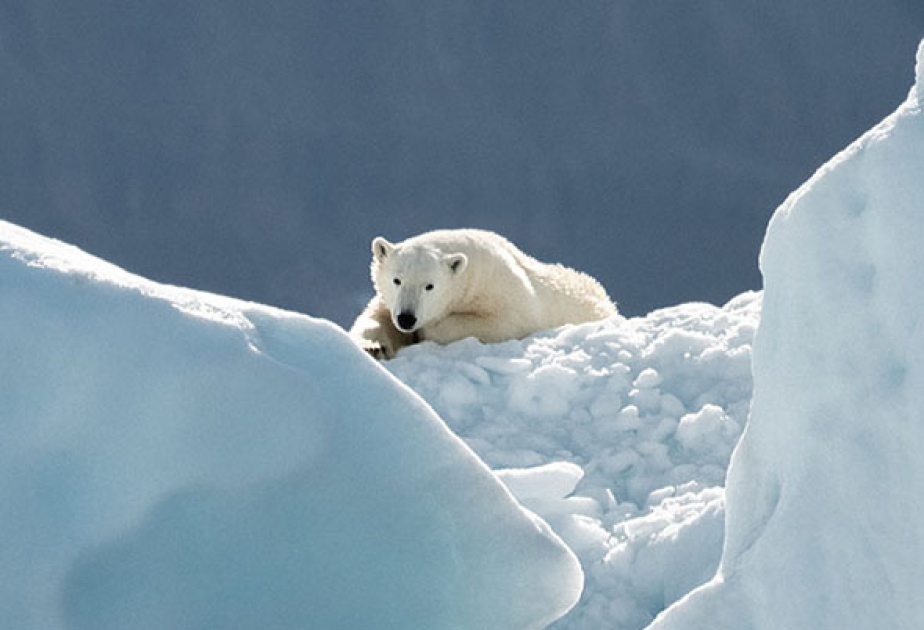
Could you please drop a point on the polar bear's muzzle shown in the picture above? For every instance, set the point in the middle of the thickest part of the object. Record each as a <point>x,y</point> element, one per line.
<point>405,321</point>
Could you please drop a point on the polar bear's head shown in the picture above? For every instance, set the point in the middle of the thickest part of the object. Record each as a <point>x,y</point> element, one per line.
<point>417,283</point>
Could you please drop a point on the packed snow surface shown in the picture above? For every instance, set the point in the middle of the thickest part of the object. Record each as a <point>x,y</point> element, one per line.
<point>824,491</point>
<point>618,433</point>
<point>172,460</point>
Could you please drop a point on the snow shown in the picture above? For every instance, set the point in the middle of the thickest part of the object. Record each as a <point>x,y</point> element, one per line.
<point>709,432</point>
<point>179,459</point>
<point>551,481</point>
<point>174,459</point>
<point>617,433</point>
<point>824,516</point>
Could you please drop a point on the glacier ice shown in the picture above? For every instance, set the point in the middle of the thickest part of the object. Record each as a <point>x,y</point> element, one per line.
<point>173,459</point>
<point>824,519</point>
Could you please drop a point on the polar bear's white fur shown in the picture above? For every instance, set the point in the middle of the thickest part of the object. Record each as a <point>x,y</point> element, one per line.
<point>446,285</point>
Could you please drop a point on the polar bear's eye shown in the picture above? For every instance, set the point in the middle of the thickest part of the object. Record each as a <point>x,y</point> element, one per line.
<point>429,287</point>
<point>397,282</point>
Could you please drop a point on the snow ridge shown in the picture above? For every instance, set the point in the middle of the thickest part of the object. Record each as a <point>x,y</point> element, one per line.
<point>821,533</point>
<point>174,459</point>
<point>617,433</point>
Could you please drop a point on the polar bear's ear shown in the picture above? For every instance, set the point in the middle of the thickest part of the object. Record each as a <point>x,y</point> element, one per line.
<point>456,262</point>
<point>381,248</point>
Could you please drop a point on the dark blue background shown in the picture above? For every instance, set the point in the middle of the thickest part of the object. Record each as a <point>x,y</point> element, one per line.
<point>255,148</point>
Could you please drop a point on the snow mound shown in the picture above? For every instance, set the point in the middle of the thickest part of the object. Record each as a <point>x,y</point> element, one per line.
<point>824,517</point>
<point>172,459</point>
<point>618,433</point>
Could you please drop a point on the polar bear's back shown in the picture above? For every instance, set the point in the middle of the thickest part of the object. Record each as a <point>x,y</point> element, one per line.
<point>503,273</point>
<point>570,296</point>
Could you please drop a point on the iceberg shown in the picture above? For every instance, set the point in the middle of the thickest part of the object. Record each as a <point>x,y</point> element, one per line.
<point>175,459</point>
<point>823,515</point>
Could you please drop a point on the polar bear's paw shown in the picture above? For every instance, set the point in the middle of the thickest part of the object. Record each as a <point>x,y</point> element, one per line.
<point>376,350</point>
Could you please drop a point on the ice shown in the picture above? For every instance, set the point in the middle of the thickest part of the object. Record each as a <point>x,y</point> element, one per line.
<point>709,432</point>
<point>176,460</point>
<point>648,379</point>
<point>823,524</point>
<point>501,365</point>
<point>551,481</point>
<point>583,425</point>
<point>458,391</point>
<point>545,391</point>
<point>233,441</point>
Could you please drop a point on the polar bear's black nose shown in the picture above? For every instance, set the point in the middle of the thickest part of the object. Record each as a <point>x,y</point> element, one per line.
<point>406,320</point>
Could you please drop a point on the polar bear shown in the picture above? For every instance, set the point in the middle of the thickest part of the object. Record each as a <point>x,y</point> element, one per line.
<point>447,285</point>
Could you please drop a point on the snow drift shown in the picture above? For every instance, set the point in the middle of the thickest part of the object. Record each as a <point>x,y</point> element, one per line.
<point>618,433</point>
<point>173,459</point>
<point>824,514</point>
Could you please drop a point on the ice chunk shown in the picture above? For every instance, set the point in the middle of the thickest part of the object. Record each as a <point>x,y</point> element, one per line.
<point>822,530</point>
<point>501,365</point>
<point>173,459</point>
<point>648,379</point>
<point>707,430</point>
<point>551,481</point>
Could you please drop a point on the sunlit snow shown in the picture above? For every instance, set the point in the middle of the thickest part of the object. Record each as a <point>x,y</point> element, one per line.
<point>618,433</point>
<point>173,459</point>
<point>824,509</point>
